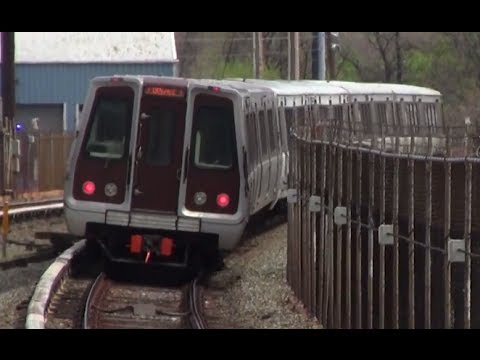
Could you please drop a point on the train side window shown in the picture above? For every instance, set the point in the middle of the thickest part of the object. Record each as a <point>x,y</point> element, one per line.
<point>300,116</point>
<point>381,110</point>
<point>405,119</point>
<point>341,120</point>
<point>430,116</point>
<point>422,121</point>
<point>357,119</point>
<point>300,119</point>
<point>437,118</point>
<point>400,120</point>
<point>252,140</point>
<point>283,135</point>
<point>366,118</point>
<point>263,133</point>
<point>248,140</point>
<point>272,130</point>
<point>389,112</point>
<point>413,114</point>
<point>289,120</point>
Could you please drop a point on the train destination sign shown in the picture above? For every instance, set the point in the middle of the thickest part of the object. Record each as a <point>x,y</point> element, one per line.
<point>164,91</point>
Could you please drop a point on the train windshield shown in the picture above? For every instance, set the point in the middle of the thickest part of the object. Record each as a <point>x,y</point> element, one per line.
<point>108,132</point>
<point>213,140</point>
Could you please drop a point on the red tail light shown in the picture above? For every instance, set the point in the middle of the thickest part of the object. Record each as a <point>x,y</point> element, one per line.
<point>223,200</point>
<point>88,187</point>
<point>136,242</point>
<point>166,246</point>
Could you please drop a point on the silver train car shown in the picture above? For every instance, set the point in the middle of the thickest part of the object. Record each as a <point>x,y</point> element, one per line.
<point>169,170</point>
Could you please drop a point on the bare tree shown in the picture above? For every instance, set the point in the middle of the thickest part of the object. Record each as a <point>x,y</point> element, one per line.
<point>399,58</point>
<point>386,45</point>
<point>204,53</point>
<point>467,45</point>
<point>376,56</point>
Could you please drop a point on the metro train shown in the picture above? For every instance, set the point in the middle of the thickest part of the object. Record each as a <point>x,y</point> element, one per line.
<point>169,171</point>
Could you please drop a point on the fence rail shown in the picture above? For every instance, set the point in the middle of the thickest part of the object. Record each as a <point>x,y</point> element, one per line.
<point>384,231</point>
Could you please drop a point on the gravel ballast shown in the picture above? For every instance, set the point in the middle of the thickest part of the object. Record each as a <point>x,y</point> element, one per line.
<point>16,288</point>
<point>254,292</point>
<point>17,284</point>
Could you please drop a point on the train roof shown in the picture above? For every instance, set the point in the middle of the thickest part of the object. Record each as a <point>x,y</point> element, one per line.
<point>299,87</point>
<point>304,87</point>
<point>322,87</point>
<point>384,88</point>
<point>239,87</point>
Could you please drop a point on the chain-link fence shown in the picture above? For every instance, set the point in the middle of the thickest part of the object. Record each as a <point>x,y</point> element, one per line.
<point>384,219</point>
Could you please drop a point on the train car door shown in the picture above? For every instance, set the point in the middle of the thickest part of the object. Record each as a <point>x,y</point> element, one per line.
<point>158,155</point>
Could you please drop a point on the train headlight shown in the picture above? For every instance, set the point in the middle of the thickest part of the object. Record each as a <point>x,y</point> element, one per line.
<point>110,189</point>
<point>200,198</point>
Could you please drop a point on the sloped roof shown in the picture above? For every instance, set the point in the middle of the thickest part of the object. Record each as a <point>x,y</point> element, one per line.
<point>88,47</point>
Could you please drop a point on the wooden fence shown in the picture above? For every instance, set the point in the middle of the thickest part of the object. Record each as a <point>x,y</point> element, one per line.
<point>42,162</point>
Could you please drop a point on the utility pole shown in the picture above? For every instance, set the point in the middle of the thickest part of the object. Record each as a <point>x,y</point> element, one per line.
<point>293,56</point>
<point>254,47</point>
<point>8,100</point>
<point>314,54</point>
<point>318,55</point>
<point>7,126</point>
<point>259,57</point>
<point>330,56</point>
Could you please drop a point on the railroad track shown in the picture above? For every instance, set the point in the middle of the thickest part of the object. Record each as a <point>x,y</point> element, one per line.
<point>28,210</point>
<point>24,209</point>
<point>53,281</point>
<point>75,294</point>
<point>72,293</point>
<point>117,305</point>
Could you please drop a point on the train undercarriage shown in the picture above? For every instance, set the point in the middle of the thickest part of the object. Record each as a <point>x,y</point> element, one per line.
<point>155,248</point>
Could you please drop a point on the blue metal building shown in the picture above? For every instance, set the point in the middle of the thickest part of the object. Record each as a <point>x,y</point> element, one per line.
<point>53,69</point>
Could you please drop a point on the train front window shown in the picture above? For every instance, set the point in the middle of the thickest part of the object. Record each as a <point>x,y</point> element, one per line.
<point>213,140</point>
<point>109,123</point>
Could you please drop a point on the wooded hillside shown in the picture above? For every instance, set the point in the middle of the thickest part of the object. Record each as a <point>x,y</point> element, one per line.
<point>446,61</point>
